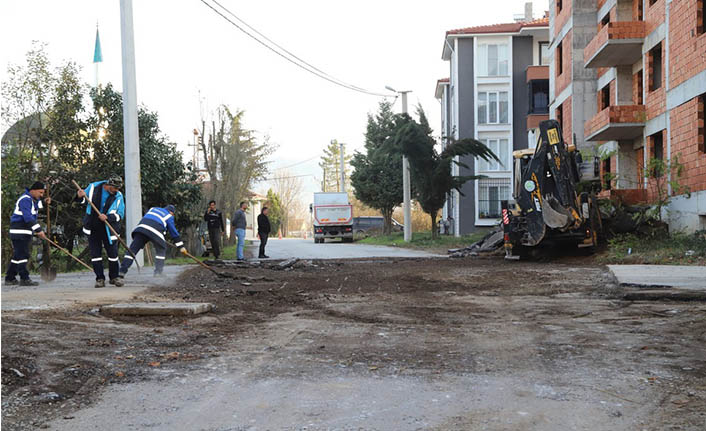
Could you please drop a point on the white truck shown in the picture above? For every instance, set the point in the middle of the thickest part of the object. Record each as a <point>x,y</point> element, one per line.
<point>333,217</point>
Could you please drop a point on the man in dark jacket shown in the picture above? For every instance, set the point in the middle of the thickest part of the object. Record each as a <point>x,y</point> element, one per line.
<point>23,224</point>
<point>263,231</point>
<point>152,228</point>
<point>216,228</point>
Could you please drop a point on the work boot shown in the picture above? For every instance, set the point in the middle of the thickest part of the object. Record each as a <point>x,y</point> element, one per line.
<point>28,282</point>
<point>117,282</point>
<point>100,283</point>
<point>12,282</point>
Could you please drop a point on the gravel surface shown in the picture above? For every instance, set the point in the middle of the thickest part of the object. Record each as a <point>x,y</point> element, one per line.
<point>401,344</point>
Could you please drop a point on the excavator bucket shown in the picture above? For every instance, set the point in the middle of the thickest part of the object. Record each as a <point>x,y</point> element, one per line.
<point>555,216</point>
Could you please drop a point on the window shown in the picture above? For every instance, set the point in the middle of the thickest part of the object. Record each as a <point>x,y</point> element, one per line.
<point>652,2</point>
<point>606,173</point>
<point>604,21</point>
<point>499,147</point>
<point>492,60</point>
<point>604,98</point>
<point>502,106</point>
<point>655,67</point>
<point>544,54</point>
<point>700,16</point>
<point>538,96</point>
<point>640,15</point>
<point>492,107</point>
<point>657,146</point>
<point>700,117</point>
<point>558,6</point>
<point>482,108</point>
<point>638,88</point>
<point>491,191</point>
<point>559,59</point>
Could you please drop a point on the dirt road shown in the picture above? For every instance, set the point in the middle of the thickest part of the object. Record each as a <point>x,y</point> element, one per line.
<point>377,344</point>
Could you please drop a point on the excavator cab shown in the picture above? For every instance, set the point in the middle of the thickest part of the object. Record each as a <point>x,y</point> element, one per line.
<point>547,207</point>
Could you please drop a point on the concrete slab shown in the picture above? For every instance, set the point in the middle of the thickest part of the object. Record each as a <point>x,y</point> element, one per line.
<point>75,288</point>
<point>157,308</point>
<point>680,277</point>
<point>334,249</point>
<point>665,294</point>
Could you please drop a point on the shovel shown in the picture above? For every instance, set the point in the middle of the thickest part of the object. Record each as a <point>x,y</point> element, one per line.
<point>69,254</point>
<point>48,272</point>
<point>220,274</point>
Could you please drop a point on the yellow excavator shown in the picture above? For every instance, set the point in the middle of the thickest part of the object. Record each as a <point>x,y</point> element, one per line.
<point>547,210</point>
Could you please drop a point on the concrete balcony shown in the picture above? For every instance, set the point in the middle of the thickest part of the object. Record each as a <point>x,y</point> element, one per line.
<point>533,120</point>
<point>616,123</point>
<point>616,44</point>
<point>537,72</point>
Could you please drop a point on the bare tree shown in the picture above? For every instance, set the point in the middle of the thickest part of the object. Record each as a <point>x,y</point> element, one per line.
<point>289,189</point>
<point>233,156</point>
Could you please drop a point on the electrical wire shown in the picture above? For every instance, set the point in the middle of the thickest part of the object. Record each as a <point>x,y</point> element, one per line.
<point>298,163</point>
<point>287,177</point>
<point>299,63</point>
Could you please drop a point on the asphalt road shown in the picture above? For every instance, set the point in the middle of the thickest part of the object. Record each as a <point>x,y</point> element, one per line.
<point>331,249</point>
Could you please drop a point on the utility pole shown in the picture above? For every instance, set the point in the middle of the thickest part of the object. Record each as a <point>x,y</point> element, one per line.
<point>343,168</point>
<point>133,191</point>
<point>406,184</point>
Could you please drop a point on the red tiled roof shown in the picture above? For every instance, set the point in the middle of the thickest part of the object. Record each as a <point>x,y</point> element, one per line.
<point>511,27</point>
<point>443,80</point>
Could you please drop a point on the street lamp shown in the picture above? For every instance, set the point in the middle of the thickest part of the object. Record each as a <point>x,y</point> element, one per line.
<point>406,189</point>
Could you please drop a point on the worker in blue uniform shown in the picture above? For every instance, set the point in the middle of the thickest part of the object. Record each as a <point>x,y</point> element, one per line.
<point>106,196</point>
<point>23,224</point>
<point>152,228</point>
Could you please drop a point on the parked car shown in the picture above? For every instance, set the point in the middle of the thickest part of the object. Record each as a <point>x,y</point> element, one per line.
<point>364,226</point>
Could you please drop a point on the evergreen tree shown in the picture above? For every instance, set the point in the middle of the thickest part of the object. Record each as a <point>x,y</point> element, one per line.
<point>275,215</point>
<point>430,170</point>
<point>331,165</point>
<point>377,178</point>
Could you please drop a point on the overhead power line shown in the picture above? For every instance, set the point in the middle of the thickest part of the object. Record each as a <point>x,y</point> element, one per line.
<point>287,177</point>
<point>298,163</point>
<point>290,57</point>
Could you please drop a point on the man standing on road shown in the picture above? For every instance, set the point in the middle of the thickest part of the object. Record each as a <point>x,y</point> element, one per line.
<point>216,228</point>
<point>108,199</point>
<point>23,224</point>
<point>240,223</point>
<point>152,228</point>
<point>263,231</point>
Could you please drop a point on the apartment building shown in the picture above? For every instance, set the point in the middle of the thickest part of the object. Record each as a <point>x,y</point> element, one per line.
<point>627,83</point>
<point>497,92</point>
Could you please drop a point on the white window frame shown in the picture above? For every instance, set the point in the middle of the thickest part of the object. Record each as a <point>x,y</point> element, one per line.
<point>481,185</point>
<point>503,164</point>
<point>484,61</point>
<point>497,107</point>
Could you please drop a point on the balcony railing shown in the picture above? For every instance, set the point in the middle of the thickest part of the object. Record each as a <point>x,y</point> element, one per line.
<point>616,44</point>
<point>616,122</point>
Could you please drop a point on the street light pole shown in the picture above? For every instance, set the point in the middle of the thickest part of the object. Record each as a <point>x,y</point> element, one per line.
<point>133,190</point>
<point>406,181</point>
<point>343,168</point>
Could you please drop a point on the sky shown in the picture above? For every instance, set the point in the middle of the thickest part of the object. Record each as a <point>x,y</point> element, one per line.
<point>190,60</point>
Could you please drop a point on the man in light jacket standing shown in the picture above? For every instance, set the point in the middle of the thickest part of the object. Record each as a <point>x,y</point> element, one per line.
<point>240,222</point>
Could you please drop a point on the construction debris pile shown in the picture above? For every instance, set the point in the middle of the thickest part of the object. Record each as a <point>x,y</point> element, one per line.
<point>492,242</point>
